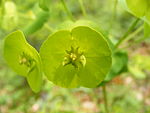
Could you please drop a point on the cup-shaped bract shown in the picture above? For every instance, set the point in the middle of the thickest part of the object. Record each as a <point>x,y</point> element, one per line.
<point>138,7</point>
<point>23,59</point>
<point>78,56</point>
<point>148,13</point>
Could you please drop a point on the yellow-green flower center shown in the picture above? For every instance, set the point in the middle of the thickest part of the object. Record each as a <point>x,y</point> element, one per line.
<point>25,59</point>
<point>74,57</point>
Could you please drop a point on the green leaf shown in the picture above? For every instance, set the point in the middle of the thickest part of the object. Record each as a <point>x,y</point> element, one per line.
<point>44,4</point>
<point>119,65</point>
<point>138,7</point>
<point>79,56</point>
<point>41,19</point>
<point>23,59</point>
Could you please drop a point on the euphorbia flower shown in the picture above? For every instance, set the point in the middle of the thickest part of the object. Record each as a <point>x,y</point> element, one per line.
<point>23,59</point>
<point>76,56</point>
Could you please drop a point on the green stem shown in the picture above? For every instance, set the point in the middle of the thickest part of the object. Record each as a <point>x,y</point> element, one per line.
<point>105,98</point>
<point>114,12</point>
<point>141,40</point>
<point>127,33</point>
<point>133,35</point>
<point>82,8</point>
<point>67,10</point>
<point>115,9</point>
<point>42,18</point>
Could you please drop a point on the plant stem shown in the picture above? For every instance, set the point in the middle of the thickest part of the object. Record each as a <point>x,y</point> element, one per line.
<point>42,18</point>
<point>115,9</point>
<point>127,33</point>
<point>134,33</point>
<point>67,10</point>
<point>114,12</point>
<point>82,8</point>
<point>105,98</point>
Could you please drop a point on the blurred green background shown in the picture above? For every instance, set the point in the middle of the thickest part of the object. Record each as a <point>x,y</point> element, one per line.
<point>129,92</point>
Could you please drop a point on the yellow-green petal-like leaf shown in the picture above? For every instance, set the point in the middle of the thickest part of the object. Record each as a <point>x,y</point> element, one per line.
<point>138,7</point>
<point>66,76</point>
<point>78,56</point>
<point>23,59</point>
<point>119,65</point>
<point>97,54</point>
<point>148,12</point>
<point>146,30</point>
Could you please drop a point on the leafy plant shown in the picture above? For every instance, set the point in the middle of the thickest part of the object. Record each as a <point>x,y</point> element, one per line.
<point>78,53</point>
<point>70,59</point>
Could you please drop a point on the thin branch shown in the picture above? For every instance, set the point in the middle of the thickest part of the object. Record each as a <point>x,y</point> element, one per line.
<point>127,33</point>
<point>82,8</point>
<point>67,10</point>
<point>105,98</point>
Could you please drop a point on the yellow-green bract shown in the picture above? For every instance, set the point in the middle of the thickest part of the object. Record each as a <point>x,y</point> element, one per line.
<point>119,65</point>
<point>23,59</point>
<point>139,8</point>
<point>76,56</point>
